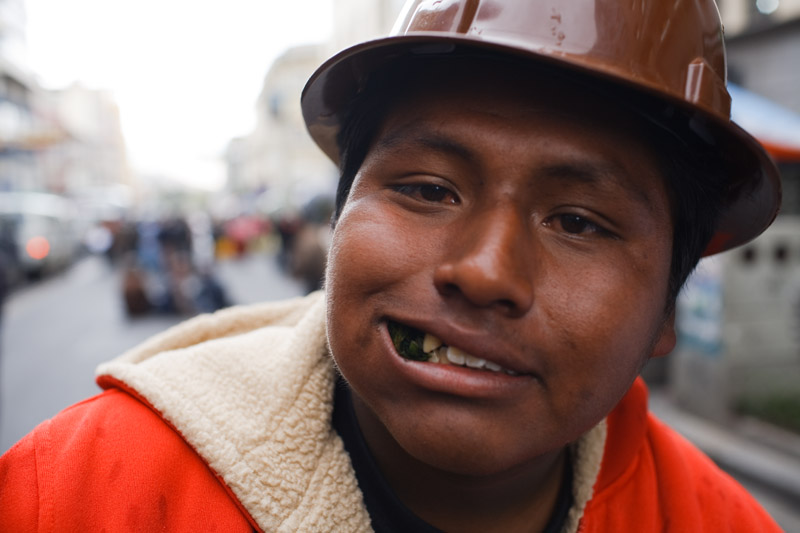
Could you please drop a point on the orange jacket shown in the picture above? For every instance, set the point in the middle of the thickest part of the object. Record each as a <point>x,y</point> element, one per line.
<point>111,463</point>
<point>652,479</point>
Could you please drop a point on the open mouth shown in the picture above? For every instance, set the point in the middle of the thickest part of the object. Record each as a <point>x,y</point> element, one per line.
<point>417,345</point>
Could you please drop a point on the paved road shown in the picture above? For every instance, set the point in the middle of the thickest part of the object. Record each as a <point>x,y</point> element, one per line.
<point>54,333</point>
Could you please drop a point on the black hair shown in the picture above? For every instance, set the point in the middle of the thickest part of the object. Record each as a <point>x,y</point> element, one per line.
<point>691,168</point>
<point>697,189</point>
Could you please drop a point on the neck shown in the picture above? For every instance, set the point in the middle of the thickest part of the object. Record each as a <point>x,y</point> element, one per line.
<point>520,499</point>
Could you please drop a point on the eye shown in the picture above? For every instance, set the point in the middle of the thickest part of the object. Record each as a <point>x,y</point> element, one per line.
<point>428,192</point>
<point>576,225</point>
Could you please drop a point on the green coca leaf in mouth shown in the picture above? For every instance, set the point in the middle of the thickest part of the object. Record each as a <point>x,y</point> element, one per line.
<point>408,341</point>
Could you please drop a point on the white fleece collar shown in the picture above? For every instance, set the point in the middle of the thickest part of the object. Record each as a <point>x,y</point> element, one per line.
<point>251,389</point>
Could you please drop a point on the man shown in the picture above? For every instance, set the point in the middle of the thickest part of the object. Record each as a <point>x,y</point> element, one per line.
<point>525,187</point>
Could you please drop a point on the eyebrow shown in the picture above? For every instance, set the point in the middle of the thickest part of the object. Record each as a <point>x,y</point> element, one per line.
<point>576,169</point>
<point>595,173</point>
<point>414,135</point>
<point>583,171</point>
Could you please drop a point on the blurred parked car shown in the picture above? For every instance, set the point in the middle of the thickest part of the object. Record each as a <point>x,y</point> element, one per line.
<point>39,233</point>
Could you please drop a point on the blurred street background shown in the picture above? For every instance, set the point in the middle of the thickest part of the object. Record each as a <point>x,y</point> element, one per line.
<point>154,165</point>
<point>57,331</point>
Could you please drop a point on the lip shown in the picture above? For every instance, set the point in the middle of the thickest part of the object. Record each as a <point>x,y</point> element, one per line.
<point>476,342</point>
<point>458,380</point>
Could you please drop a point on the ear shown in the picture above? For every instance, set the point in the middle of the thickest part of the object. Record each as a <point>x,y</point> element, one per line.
<point>666,340</point>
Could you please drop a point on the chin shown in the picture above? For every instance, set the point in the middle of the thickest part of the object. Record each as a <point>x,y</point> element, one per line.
<point>466,451</point>
<point>481,463</point>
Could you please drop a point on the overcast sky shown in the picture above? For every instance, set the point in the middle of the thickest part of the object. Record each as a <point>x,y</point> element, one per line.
<point>186,74</point>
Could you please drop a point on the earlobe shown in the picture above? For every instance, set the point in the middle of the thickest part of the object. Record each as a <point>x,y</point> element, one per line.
<point>667,338</point>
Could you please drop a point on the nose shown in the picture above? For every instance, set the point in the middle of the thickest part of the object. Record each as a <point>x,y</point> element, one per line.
<point>490,262</point>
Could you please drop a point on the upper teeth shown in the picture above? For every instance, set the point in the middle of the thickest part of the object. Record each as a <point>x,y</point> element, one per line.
<point>430,343</point>
<point>456,356</point>
<point>439,353</point>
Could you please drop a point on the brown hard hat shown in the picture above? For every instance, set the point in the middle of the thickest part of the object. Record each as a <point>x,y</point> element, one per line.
<point>671,51</point>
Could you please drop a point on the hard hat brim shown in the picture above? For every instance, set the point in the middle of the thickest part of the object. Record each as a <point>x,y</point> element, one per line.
<point>755,189</point>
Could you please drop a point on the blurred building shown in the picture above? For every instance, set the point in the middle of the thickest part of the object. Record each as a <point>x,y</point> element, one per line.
<point>763,45</point>
<point>66,141</point>
<point>13,39</point>
<point>739,315</point>
<point>360,20</point>
<point>278,158</point>
<point>92,153</point>
<point>19,132</point>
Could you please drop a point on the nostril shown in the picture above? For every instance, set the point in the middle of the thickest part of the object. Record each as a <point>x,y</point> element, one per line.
<point>449,289</point>
<point>507,305</point>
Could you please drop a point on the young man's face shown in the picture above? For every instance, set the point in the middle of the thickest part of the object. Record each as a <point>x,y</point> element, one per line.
<point>522,223</point>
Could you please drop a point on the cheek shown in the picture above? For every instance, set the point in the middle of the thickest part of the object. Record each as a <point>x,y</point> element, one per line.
<point>371,261</point>
<point>604,322</point>
<point>373,250</point>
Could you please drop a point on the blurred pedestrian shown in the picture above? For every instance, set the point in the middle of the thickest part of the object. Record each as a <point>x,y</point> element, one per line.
<point>310,242</point>
<point>287,226</point>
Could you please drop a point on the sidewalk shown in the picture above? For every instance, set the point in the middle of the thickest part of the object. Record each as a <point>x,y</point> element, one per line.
<point>753,452</point>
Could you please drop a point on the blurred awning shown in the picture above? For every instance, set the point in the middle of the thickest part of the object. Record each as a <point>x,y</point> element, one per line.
<point>777,128</point>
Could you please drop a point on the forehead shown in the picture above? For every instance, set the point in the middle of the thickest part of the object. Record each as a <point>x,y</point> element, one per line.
<point>489,110</point>
<point>486,86</point>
